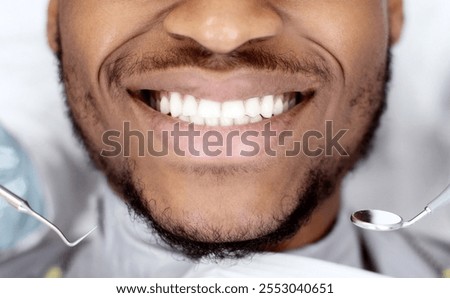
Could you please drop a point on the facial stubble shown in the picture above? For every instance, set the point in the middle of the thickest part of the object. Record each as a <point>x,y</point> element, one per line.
<point>320,184</point>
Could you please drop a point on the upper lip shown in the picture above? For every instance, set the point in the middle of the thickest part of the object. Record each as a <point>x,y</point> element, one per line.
<point>221,86</point>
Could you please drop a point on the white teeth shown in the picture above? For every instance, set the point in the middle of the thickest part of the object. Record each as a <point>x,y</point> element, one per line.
<point>176,104</point>
<point>233,109</point>
<point>256,119</point>
<point>198,120</point>
<point>224,121</point>
<point>267,106</point>
<point>252,107</point>
<point>209,109</point>
<point>190,106</point>
<point>242,121</point>
<point>212,121</point>
<point>187,108</point>
<point>165,105</point>
<point>278,105</point>
<point>185,118</point>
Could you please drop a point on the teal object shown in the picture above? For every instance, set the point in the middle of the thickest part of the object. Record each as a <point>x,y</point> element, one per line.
<point>17,175</point>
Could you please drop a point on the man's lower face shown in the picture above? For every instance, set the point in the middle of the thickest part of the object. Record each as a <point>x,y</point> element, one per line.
<point>227,204</point>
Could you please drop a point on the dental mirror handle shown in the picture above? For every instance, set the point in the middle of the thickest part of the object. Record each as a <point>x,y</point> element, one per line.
<point>440,200</point>
<point>22,206</point>
<point>13,200</point>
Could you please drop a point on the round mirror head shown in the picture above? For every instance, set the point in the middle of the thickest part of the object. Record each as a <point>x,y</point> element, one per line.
<point>377,220</point>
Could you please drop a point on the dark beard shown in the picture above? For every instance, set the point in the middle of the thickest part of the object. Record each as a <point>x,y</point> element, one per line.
<point>320,185</point>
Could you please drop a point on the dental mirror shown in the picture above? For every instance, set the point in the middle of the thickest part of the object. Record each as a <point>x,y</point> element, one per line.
<point>379,220</point>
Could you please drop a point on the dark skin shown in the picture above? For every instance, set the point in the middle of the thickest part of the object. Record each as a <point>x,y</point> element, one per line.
<point>231,200</point>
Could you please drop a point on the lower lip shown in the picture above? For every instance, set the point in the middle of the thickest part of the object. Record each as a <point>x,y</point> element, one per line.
<point>198,143</point>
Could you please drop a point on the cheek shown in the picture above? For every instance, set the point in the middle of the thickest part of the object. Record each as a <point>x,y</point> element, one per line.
<point>358,40</point>
<point>356,33</point>
<point>91,30</point>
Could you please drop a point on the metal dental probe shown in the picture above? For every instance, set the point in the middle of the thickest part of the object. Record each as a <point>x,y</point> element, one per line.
<point>22,206</point>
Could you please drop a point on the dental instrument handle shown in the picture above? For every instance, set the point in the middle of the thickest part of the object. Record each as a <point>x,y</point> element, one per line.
<point>23,207</point>
<point>57,230</point>
<point>16,202</point>
<point>440,200</point>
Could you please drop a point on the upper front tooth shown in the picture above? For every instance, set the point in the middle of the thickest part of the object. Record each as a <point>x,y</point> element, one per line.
<point>209,109</point>
<point>190,106</point>
<point>267,106</point>
<point>212,121</point>
<point>242,121</point>
<point>165,104</point>
<point>197,120</point>
<point>185,118</point>
<point>233,109</point>
<point>256,119</point>
<point>252,107</point>
<point>226,121</point>
<point>176,104</point>
<point>278,105</point>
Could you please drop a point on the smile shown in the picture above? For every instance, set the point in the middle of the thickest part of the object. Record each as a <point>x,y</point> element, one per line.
<point>187,108</point>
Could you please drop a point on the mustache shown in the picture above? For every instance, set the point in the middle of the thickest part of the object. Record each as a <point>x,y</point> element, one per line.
<point>132,64</point>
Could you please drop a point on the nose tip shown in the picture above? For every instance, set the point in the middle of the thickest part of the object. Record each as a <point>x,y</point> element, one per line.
<point>222,26</point>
